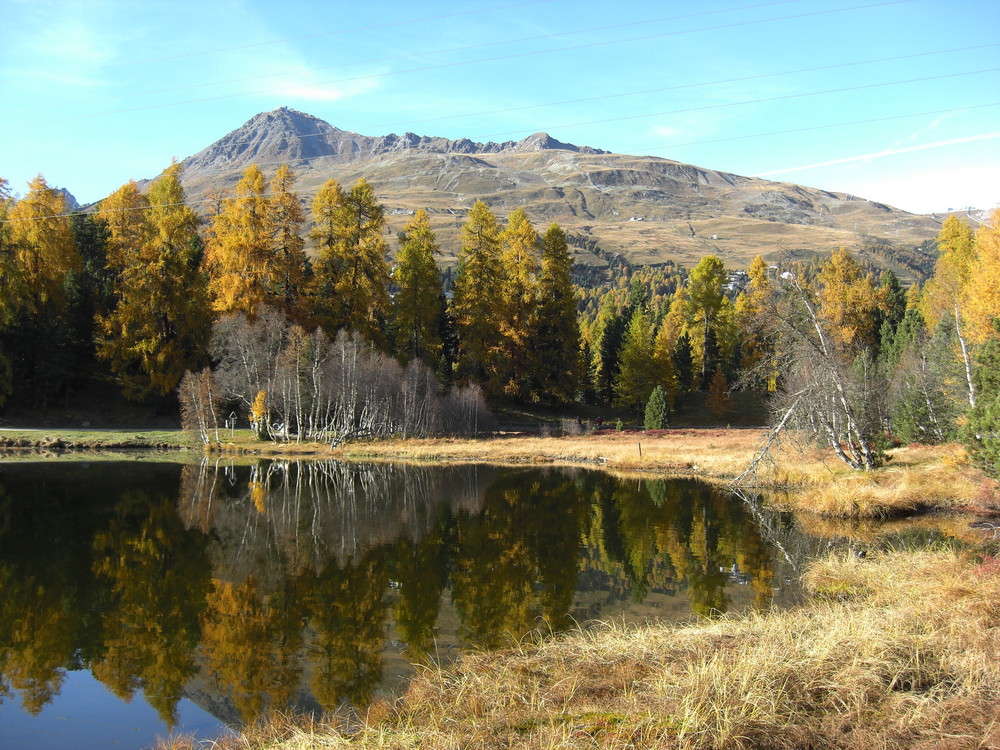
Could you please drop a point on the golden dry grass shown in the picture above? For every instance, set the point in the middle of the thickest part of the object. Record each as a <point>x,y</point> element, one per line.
<point>895,651</point>
<point>917,478</point>
<point>718,453</point>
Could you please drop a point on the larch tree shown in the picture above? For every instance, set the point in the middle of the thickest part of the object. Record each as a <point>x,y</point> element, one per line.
<point>477,301</point>
<point>945,292</point>
<point>554,330</point>
<point>520,264</point>
<point>352,276</point>
<point>238,256</point>
<point>288,275</point>
<point>756,329</point>
<point>417,304</point>
<point>705,297</point>
<point>850,301</point>
<point>41,353</point>
<point>981,296</point>
<point>159,327</point>
<point>11,288</point>
<point>43,242</point>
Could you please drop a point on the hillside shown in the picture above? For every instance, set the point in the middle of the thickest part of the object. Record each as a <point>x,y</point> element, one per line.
<point>646,208</point>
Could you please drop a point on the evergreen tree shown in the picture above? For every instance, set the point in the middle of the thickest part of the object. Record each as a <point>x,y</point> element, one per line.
<point>636,375</point>
<point>417,305</point>
<point>684,363</point>
<point>657,410</point>
<point>887,319</point>
<point>982,435</point>
<point>554,332</point>
<point>478,299</point>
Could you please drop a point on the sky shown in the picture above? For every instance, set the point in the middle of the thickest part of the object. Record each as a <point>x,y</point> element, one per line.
<point>896,101</point>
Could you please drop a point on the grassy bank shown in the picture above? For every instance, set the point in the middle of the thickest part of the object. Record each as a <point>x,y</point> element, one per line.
<point>900,650</point>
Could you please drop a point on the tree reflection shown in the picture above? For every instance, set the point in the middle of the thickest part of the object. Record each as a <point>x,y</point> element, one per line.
<point>347,609</point>
<point>252,643</point>
<point>154,574</point>
<point>277,583</point>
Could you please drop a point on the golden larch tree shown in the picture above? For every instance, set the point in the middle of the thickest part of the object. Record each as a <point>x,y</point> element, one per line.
<point>160,323</point>
<point>982,293</point>
<point>43,243</point>
<point>238,255</point>
<point>520,264</point>
<point>352,275</point>
<point>287,282</point>
<point>478,298</point>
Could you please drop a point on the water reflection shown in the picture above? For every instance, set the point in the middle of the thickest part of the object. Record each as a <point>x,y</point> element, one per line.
<point>311,584</point>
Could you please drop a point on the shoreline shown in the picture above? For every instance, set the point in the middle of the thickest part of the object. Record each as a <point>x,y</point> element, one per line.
<point>918,479</point>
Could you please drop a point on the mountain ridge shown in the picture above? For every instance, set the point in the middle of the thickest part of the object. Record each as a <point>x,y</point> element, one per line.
<point>645,208</point>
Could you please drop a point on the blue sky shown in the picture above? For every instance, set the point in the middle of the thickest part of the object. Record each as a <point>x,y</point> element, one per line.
<point>897,101</point>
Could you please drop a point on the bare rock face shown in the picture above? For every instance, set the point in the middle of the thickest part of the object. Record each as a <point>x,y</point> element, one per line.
<point>648,209</point>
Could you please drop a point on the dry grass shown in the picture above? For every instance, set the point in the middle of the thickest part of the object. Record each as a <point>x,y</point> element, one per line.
<point>894,651</point>
<point>916,479</point>
<point>718,453</point>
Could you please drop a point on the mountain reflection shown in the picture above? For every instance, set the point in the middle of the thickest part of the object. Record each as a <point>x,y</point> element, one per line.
<point>310,584</point>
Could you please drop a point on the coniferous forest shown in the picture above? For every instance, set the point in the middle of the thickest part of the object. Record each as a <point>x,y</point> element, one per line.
<point>315,324</point>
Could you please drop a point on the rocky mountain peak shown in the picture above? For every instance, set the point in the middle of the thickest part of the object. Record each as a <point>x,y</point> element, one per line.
<point>544,142</point>
<point>293,137</point>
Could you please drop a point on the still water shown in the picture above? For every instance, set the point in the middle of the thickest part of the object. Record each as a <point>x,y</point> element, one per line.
<point>139,599</point>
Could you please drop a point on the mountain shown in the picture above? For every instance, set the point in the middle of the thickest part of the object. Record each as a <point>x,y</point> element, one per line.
<point>645,208</point>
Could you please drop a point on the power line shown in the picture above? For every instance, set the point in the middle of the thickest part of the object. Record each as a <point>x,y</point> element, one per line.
<point>818,127</point>
<point>783,97</point>
<point>464,48</point>
<point>677,87</point>
<point>530,53</point>
<point>339,32</point>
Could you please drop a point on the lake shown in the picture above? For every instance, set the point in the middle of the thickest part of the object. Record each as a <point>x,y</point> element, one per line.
<point>139,599</point>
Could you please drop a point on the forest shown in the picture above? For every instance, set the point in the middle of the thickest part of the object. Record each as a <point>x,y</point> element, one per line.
<point>316,324</point>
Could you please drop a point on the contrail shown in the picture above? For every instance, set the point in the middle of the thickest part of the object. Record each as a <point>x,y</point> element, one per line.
<point>887,152</point>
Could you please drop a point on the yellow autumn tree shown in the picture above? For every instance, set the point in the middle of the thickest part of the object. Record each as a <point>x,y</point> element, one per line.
<point>12,287</point>
<point>238,257</point>
<point>287,283</point>
<point>981,296</point>
<point>945,293</point>
<point>352,275</point>
<point>519,267</point>
<point>849,299</point>
<point>478,298</point>
<point>43,244</point>
<point>160,322</point>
